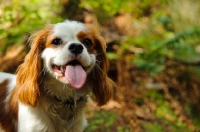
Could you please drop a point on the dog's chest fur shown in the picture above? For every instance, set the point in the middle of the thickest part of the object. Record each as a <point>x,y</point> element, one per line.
<point>54,116</point>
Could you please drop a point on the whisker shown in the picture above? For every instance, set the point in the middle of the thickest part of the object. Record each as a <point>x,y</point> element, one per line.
<point>65,86</point>
<point>42,72</point>
<point>100,53</point>
<point>98,61</point>
<point>98,66</point>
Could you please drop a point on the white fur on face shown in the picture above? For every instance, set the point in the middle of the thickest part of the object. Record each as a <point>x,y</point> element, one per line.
<point>60,55</point>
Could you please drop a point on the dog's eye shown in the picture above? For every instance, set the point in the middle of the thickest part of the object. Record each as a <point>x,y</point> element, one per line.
<point>57,41</point>
<point>87,42</point>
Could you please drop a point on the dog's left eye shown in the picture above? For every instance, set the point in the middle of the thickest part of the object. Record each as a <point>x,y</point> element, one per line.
<point>57,41</point>
<point>87,42</point>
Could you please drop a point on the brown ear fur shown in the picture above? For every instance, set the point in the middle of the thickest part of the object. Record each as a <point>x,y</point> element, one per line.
<point>103,86</point>
<point>29,74</point>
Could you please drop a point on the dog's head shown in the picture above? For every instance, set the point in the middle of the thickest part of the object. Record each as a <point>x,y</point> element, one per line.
<point>69,52</point>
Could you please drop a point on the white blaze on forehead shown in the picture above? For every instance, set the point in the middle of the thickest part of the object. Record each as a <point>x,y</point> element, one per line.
<point>68,30</point>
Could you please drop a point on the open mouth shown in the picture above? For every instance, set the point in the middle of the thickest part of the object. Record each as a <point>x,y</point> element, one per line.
<point>61,69</point>
<point>73,71</point>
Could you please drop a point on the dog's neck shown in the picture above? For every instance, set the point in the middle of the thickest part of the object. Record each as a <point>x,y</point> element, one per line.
<point>72,106</point>
<point>62,101</point>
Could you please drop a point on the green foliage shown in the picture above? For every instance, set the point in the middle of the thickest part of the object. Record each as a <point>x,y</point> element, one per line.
<point>165,115</point>
<point>122,129</point>
<point>190,111</point>
<point>182,46</point>
<point>153,127</point>
<point>105,9</point>
<point>21,17</point>
<point>101,121</point>
<point>112,56</point>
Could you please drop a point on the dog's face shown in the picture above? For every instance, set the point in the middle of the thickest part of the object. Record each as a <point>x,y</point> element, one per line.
<point>68,51</point>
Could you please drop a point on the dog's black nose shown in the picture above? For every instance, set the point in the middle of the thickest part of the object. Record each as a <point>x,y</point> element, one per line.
<point>76,48</point>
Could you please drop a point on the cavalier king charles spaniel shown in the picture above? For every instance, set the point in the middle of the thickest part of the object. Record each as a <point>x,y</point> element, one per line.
<point>67,61</point>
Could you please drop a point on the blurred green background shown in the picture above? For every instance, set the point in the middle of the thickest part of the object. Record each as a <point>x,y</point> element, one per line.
<point>154,53</point>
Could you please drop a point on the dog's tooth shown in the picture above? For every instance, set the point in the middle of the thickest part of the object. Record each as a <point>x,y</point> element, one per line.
<point>61,69</point>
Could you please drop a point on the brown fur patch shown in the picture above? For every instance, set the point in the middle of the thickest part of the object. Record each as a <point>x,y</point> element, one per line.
<point>10,115</point>
<point>83,35</point>
<point>48,40</point>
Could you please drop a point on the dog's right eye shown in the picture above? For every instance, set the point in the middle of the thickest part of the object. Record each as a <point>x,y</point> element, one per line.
<point>57,41</point>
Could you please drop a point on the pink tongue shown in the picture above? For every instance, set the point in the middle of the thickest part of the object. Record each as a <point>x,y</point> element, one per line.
<point>75,75</point>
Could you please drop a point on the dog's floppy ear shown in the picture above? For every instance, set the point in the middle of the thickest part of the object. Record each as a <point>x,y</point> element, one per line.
<point>103,86</point>
<point>29,73</point>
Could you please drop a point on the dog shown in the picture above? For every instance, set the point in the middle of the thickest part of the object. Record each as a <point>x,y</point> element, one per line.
<point>66,63</point>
